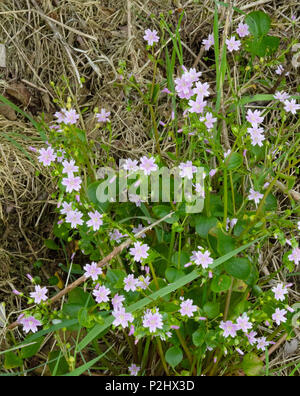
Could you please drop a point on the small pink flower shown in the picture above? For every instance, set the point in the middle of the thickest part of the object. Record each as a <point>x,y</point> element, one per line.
<point>209,42</point>
<point>151,37</point>
<point>255,117</point>
<point>70,168</point>
<point>280,291</point>
<point>72,183</point>
<point>39,295</point>
<point>139,251</point>
<point>92,271</point>
<point>229,329</point>
<point>101,294</point>
<point>295,256</point>
<point>255,196</point>
<point>74,217</point>
<point>153,320</point>
<point>233,44</point>
<point>29,324</point>
<point>262,343</point>
<point>291,106</point>
<point>95,220</point>
<point>103,116</point>
<point>187,308</point>
<point>71,117</point>
<point>148,165</point>
<point>243,30</point>
<point>134,370</point>
<point>47,156</point>
<point>243,323</point>
<point>117,301</point>
<point>187,170</point>
<point>279,316</point>
<point>130,283</point>
<point>122,318</point>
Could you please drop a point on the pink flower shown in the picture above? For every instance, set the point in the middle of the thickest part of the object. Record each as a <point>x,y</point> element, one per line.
<point>202,259</point>
<point>139,251</point>
<point>280,291</point>
<point>151,37</point>
<point>279,316</point>
<point>262,343</point>
<point>243,323</point>
<point>233,44</point>
<point>184,88</point>
<point>47,156</point>
<point>295,256</point>
<point>134,369</point>
<point>197,106</point>
<point>95,220</point>
<point>209,42</point>
<point>152,320</point>
<point>187,170</point>
<point>121,317</point>
<point>131,165</point>
<point>60,116</point>
<point>71,117</point>
<point>243,30</point>
<point>137,230</point>
<point>255,117</point>
<point>40,294</point>
<point>92,271</point>
<point>144,282</point>
<point>74,218</point>
<point>291,106</point>
<point>72,183</point>
<point>67,208</point>
<point>281,96</point>
<point>213,172</point>
<point>148,165</point>
<point>255,196</point>
<point>70,168</point>
<point>130,283</point>
<point>229,329</point>
<point>279,70</point>
<point>209,121</point>
<point>29,324</point>
<point>103,116</point>
<point>251,337</point>
<point>101,294</point>
<point>187,308</point>
<point>201,90</point>
<point>117,301</point>
<point>116,235</point>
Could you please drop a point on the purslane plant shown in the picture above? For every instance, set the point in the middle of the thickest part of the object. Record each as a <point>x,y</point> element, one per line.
<point>227,312</point>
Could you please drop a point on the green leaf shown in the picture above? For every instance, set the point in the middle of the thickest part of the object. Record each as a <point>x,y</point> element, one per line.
<point>235,161</point>
<point>259,23</point>
<point>271,203</point>
<point>204,225</point>
<point>174,356</point>
<point>173,274</point>
<point>226,243</point>
<point>221,283</point>
<point>238,267</point>
<point>252,365</point>
<point>50,244</point>
<point>12,361</point>
<point>199,336</point>
<point>116,278</point>
<point>212,310</point>
<point>84,318</point>
<point>264,46</point>
<point>57,363</point>
<point>31,350</point>
<point>162,211</point>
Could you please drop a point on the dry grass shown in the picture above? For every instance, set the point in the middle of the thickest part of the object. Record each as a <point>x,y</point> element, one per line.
<point>48,39</point>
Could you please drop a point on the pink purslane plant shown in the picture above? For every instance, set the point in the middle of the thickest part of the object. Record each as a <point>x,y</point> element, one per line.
<point>202,258</point>
<point>295,256</point>
<point>131,283</point>
<point>255,196</point>
<point>209,42</point>
<point>279,316</point>
<point>74,217</point>
<point>279,292</point>
<point>72,183</point>
<point>243,30</point>
<point>233,44</point>
<point>103,116</point>
<point>122,318</point>
<point>95,220</point>
<point>229,329</point>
